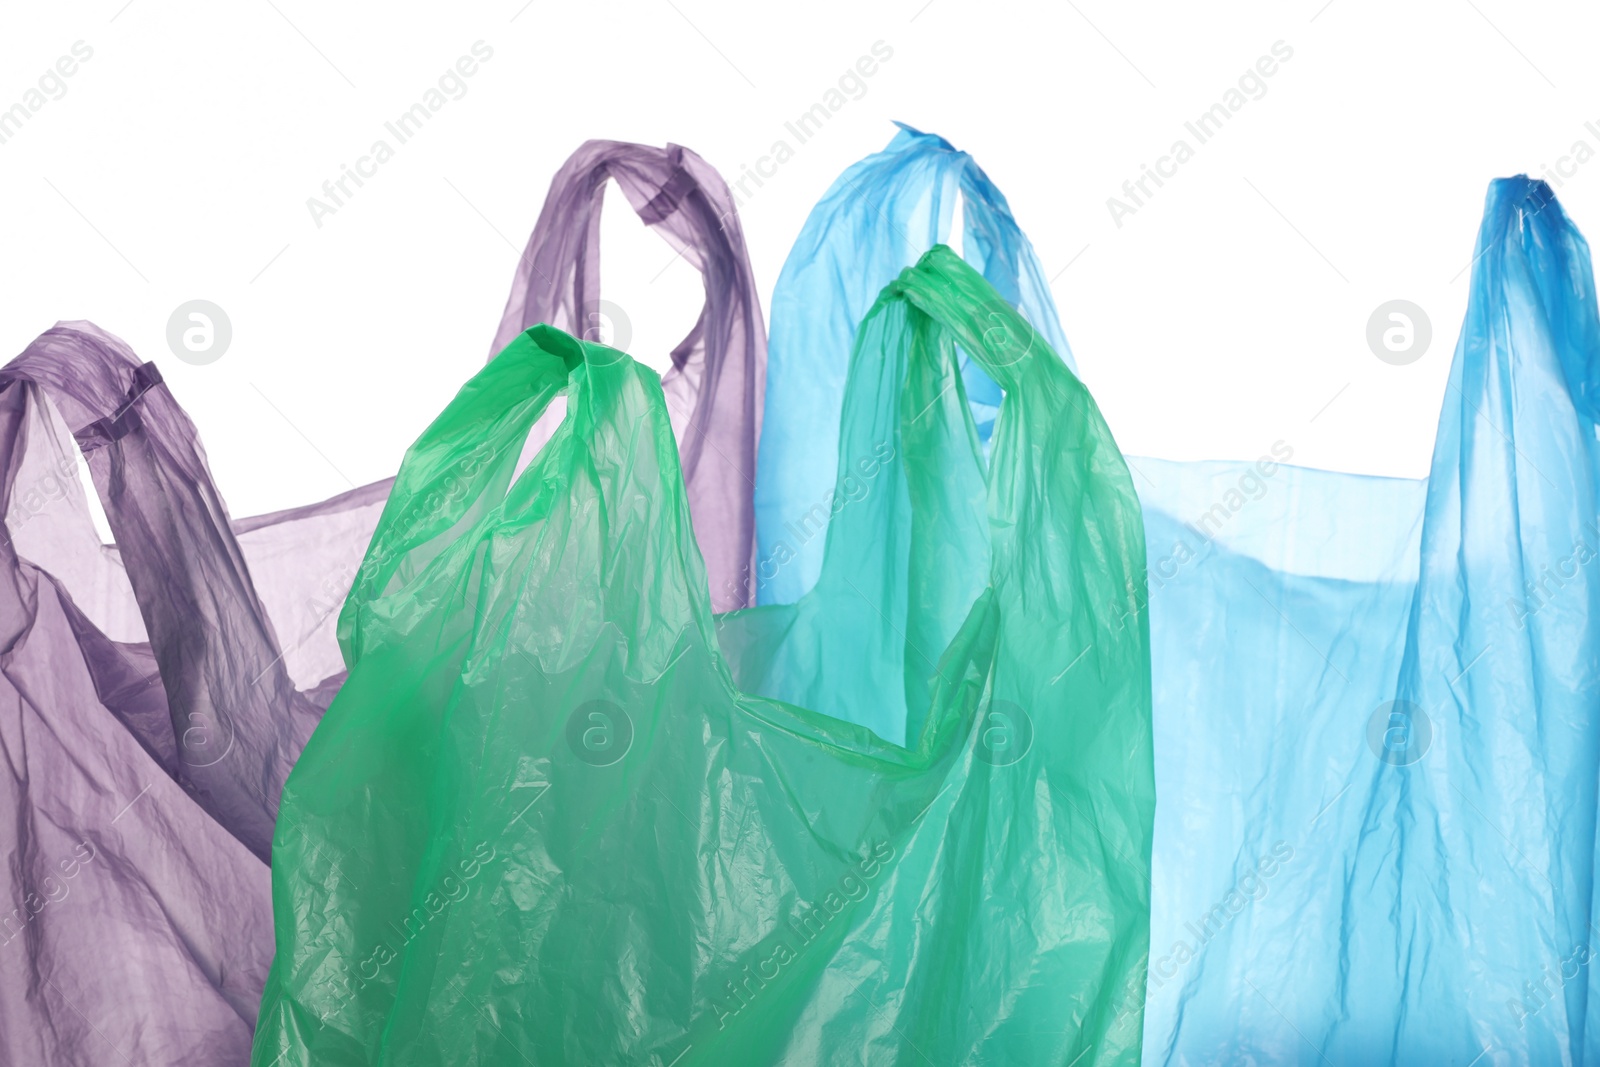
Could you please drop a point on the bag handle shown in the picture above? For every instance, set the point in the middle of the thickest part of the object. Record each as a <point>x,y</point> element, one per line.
<point>227,686</point>
<point>715,385</point>
<point>878,217</point>
<point>992,242</point>
<point>458,472</point>
<point>601,493</point>
<point>1051,443</point>
<point>921,565</point>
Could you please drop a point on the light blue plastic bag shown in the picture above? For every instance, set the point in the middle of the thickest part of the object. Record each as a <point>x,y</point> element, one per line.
<point>1377,714</point>
<point>1377,701</point>
<point>877,219</point>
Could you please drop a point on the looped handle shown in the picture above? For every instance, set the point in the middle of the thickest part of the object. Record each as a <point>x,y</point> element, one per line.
<point>1050,439</point>
<point>927,561</point>
<point>457,471</point>
<point>875,221</point>
<point>992,243</point>
<point>90,376</point>
<point>715,385</point>
<point>227,687</point>
<point>606,488</point>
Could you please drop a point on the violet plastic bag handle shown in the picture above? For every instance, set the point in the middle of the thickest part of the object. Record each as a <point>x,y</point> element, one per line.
<point>135,913</point>
<point>236,721</point>
<point>715,385</point>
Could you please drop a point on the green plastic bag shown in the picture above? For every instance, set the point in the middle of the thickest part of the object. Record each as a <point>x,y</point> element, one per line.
<point>541,824</point>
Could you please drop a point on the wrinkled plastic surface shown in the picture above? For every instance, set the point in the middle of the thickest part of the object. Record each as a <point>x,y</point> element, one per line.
<point>155,692</point>
<point>1339,877</point>
<point>714,387</point>
<point>542,823</point>
<point>137,816</point>
<point>1375,707</point>
<point>876,220</point>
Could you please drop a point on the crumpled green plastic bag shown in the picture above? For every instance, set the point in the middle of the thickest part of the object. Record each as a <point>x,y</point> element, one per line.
<point>542,824</point>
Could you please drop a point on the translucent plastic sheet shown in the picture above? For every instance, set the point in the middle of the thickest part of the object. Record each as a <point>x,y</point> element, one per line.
<point>154,693</point>
<point>548,819</point>
<point>876,220</point>
<point>1377,739</point>
<point>135,816</point>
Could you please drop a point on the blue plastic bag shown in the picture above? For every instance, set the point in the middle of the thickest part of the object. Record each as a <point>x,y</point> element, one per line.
<point>877,219</point>
<point>1377,738</point>
<point>1376,700</point>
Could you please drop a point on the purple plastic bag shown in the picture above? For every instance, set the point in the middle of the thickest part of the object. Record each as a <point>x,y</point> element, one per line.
<point>155,693</point>
<point>135,816</point>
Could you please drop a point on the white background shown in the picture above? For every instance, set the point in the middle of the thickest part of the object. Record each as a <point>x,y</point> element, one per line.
<point>1228,313</point>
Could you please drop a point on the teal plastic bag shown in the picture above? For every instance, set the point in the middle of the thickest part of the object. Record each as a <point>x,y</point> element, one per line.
<point>542,823</point>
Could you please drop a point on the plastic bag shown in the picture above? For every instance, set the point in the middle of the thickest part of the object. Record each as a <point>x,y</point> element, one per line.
<point>1377,744</point>
<point>1376,747</point>
<point>878,217</point>
<point>135,815</point>
<point>156,692</point>
<point>541,823</point>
